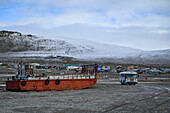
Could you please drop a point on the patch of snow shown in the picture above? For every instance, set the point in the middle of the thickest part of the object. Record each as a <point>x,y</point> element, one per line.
<point>160,78</point>
<point>81,49</point>
<point>7,75</point>
<point>167,89</point>
<point>3,85</point>
<point>155,98</point>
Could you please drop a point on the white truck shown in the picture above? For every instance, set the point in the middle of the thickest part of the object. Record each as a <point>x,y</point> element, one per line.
<point>128,78</point>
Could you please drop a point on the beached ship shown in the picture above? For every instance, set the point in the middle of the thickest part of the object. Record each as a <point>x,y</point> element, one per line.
<point>25,80</point>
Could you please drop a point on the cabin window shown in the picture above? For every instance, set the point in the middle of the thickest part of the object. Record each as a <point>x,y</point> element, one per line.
<point>122,75</point>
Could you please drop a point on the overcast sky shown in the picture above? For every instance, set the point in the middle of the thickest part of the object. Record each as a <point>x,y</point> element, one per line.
<point>142,24</point>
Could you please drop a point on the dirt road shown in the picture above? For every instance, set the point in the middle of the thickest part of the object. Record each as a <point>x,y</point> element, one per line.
<point>104,97</point>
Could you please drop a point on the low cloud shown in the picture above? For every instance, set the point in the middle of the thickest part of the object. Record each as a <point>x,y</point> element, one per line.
<point>120,22</point>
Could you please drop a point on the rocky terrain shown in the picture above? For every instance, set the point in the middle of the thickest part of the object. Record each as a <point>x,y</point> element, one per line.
<point>104,97</point>
<point>15,44</point>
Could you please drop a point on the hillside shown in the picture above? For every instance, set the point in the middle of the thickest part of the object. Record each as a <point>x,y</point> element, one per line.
<point>16,44</point>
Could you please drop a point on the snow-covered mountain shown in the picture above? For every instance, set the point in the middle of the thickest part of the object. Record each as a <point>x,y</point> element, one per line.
<point>17,44</point>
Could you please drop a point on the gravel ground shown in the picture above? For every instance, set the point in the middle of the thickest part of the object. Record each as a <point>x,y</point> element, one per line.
<point>151,95</point>
<point>104,97</point>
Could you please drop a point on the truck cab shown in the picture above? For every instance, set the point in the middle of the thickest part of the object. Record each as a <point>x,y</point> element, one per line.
<point>128,78</point>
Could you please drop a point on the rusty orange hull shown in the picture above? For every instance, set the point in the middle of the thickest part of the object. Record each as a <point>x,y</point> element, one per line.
<point>49,85</point>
